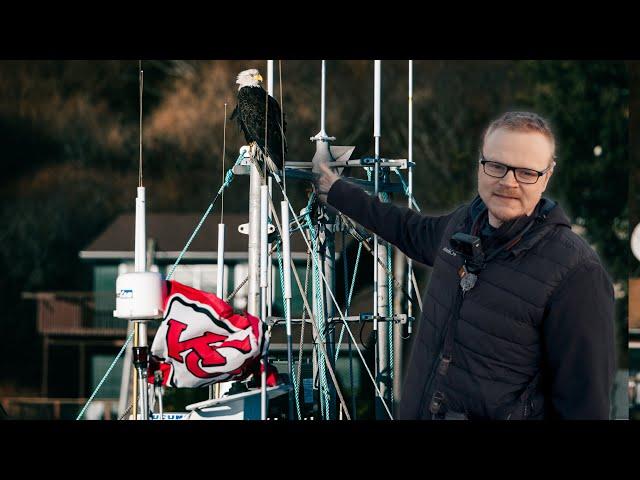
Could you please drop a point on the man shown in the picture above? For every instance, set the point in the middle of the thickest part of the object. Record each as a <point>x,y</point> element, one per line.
<point>517,326</point>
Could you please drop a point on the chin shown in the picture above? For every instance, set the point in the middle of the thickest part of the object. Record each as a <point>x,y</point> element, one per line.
<point>505,214</point>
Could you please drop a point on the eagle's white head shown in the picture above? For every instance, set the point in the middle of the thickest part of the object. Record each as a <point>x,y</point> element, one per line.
<point>249,78</point>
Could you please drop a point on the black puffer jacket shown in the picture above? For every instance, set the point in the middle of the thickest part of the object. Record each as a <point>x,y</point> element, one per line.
<point>539,318</point>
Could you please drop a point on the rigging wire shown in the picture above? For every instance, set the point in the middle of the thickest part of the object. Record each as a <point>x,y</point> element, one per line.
<point>141,82</point>
<point>224,151</point>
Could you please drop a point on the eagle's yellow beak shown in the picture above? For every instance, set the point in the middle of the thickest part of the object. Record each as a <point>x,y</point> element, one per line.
<point>259,78</point>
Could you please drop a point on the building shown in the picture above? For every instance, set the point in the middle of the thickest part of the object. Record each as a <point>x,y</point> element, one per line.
<point>80,336</point>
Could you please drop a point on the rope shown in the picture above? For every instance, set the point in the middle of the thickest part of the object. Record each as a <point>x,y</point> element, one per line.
<point>324,388</point>
<point>406,188</point>
<point>304,311</point>
<point>385,198</point>
<point>296,388</point>
<point>238,288</point>
<point>346,296</point>
<point>126,412</point>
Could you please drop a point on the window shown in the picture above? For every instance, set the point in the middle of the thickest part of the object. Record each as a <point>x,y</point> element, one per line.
<point>99,364</point>
<point>202,277</point>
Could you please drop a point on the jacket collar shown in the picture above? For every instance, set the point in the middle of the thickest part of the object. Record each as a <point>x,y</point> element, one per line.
<point>546,215</point>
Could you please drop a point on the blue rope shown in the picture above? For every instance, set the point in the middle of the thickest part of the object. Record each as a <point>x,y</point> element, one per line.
<point>385,198</point>
<point>324,388</point>
<point>294,380</point>
<point>406,189</point>
<point>227,181</point>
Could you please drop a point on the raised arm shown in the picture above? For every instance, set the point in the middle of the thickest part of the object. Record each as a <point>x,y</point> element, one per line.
<point>417,235</point>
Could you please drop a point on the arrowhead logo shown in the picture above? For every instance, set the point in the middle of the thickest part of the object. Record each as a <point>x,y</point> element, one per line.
<point>203,351</point>
<point>202,341</point>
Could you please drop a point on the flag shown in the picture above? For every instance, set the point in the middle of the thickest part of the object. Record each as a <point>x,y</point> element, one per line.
<point>202,341</point>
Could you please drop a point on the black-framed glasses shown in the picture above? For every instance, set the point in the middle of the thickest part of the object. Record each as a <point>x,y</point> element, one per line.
<point>523,175</point>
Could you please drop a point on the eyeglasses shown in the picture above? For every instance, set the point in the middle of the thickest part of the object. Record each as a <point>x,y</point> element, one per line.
<point>523,175</point>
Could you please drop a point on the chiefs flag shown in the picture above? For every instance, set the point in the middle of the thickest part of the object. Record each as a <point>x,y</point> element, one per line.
<point>202,341</point>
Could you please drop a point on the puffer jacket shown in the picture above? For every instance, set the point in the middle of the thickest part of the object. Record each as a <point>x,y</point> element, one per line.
<point>532,339</point>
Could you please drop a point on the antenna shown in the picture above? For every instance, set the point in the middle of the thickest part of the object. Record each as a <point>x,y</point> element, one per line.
<point>139,294</point>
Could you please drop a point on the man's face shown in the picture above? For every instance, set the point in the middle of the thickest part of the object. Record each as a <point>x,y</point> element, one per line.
<point>506,198</point>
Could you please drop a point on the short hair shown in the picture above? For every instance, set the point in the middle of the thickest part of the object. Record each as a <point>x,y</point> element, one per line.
<point>522,122</point>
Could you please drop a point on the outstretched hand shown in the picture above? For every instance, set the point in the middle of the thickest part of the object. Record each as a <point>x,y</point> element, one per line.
<point>323,181</point>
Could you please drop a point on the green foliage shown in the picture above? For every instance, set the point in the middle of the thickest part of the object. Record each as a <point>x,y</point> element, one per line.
<point>588,105</point>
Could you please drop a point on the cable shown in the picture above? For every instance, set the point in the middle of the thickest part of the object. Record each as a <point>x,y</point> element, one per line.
<point>224,150</point>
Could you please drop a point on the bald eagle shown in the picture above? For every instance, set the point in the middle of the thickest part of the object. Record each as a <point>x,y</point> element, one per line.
<point>250,112</point>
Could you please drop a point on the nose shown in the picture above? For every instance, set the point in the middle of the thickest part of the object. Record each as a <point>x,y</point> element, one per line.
<point>509,179</point>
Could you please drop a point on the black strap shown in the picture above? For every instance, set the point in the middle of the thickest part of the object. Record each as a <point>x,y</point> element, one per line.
<point>446,354</point>
<point>449,338</point>
<point>493,252</point>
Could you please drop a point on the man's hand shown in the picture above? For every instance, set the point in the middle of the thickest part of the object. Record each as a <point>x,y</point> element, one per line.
<point>323,181</point>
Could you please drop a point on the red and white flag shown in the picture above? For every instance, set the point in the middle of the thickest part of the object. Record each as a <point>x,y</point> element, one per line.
<point>201,340</point>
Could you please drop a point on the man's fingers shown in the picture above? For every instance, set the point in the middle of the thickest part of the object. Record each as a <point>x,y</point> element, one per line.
<point>325,168</point>
<point>330,174</point>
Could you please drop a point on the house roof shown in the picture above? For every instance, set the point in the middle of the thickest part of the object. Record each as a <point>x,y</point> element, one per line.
<point>171,231</point>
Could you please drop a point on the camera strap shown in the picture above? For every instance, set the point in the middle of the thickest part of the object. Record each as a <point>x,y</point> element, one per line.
<point>446,354</point>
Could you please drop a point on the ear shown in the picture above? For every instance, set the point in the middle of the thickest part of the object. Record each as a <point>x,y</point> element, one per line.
<point>547,177</point>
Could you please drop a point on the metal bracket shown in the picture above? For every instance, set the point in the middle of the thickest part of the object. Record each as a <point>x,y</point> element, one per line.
<point>271,321</point>
<point>367,161</point>
<point>401,318</point>
<point>322,136</point>
<point>243,168</point>
<point>244,228</point>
